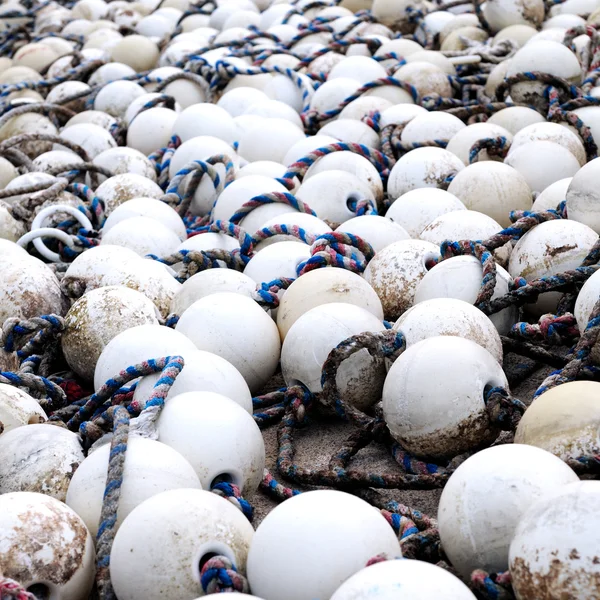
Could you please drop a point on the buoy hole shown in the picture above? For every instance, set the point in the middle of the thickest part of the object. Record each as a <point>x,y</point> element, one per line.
<point>205,558</point>
<point>486,390</point>
<point>352,200</point>
<point>222,478</point>
<point>40,590</point>
<point>430,260</point>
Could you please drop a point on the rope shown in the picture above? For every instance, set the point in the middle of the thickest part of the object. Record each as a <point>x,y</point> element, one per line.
<point>219,575</point>
<point>10,589</point>
<point>144,425</point>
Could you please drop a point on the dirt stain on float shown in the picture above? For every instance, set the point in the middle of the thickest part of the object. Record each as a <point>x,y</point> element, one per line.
<point>559,582</point>
<point>530,267</point>
<point>340,289</point>
<point>471,432</point>
<point>552,252</point>
<point>50,549</point>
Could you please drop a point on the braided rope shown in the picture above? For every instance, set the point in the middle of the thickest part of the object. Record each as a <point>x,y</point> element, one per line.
<point>110,503</point>
<point>9,588</point>
<point>337,249</point>
<point>219,575</point>
<point>581,355</point>
<point>271,198</point>
<point>232,493</point>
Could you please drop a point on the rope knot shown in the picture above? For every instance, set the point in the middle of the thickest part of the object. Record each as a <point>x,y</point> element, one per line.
<point>10,589</point>
<point>492,586</point>
<point>496,146</point>
<point>504,410</point>
<point>338,249</point>
<point>299,400</point>
<point>555,330</point>
<point>267,293</point>
<point>219,575</point>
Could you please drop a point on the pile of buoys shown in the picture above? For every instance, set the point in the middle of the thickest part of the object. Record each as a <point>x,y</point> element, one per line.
<point>368,203</point>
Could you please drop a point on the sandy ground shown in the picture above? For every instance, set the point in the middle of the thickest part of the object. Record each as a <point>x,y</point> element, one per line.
<point>316,443</point>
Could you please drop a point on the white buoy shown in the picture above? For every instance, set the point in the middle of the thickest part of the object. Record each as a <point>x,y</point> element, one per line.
<point>28,288</point>
<point>217,437</point>
<point>322,286</point>
<point>461,277</point>
<point>307,546</point>
<point>486,497</point>
<point>492,188</point>
<point>202,372</point>
<point>563,420</point>
<point>403,580</point>
<point>377,231</point>
<point>135,345</point>
<point>555,546</point>
<point>211,281</point>
<point>92,138</point>
<point>551,132</point>
<point>17,408</point>
<point>460,225</point>
<point>550,248</point>
<point>177,531</point>
<point>120,188</point>
<point>315,334</point>
<point>419,393</point>
<point>330,195</point>
<point>143,235</point>
<point>237,329</point>
<point>542,163</point>
<point>46,546</point>
<point>38,458</point>
<point>96,318</point>
<point>150,468</point>
<point>147,207</point>
<point>423,168</point>
<point>583,198</point>
<point>395,272</point>
<point>418,208</point>
<point>546,57</point>
<point>449,316</point>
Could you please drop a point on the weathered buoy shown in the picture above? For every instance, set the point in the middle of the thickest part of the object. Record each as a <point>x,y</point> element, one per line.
<point>176,531</point>
<point>550,248</point>
<point>96,318</point>
<point>419,393</point>
<point>46,546</point>
<point>395,272</point>
<point>17,408</point>
<point>485,498</point>
<point>555,546</point>
<point>38,458</point>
